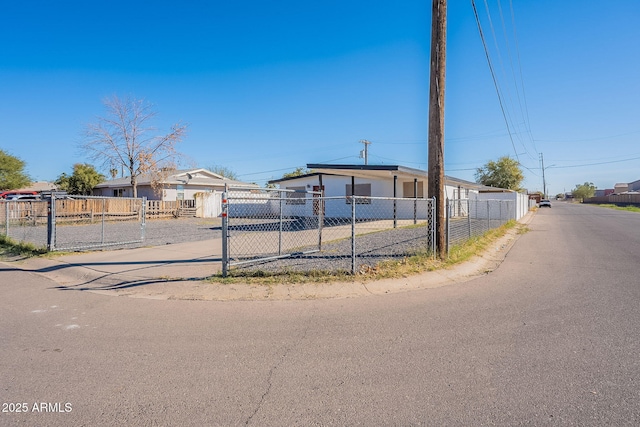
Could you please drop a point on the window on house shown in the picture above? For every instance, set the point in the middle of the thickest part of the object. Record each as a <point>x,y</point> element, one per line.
<point>407,190</point>
<point>118,192</point>
<point>360,190</point>
<point>297,197</point>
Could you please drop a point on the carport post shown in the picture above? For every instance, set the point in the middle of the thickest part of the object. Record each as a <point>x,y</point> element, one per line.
<point>225,242</point>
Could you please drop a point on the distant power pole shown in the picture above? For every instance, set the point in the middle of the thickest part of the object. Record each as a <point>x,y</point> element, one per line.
<point>364,154</point>
<point>436,119</point>
<point>544,182</point>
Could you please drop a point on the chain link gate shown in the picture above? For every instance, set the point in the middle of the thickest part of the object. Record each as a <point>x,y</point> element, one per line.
<point>266,225</point>
<point>88,222</point>
<point>287,230</point>
<point>24,221</point>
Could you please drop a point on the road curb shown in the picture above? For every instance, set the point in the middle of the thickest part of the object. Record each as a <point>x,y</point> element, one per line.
<point>142,279</point>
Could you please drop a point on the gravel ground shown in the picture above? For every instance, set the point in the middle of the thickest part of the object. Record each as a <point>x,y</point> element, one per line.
<point>370,248</point>
<point>182,230</point>
<point>157,232</point>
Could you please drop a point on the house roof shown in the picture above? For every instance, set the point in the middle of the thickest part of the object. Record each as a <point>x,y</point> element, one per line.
<point>383,172</point>
<point>369,171</point>
<point>193,177</point>
<point>39,186</point>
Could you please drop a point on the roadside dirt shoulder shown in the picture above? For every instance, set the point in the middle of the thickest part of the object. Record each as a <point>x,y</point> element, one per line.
<point>144,276</point>
<point>197,290</point>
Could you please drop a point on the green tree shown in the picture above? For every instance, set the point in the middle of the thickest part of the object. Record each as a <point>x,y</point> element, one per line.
<point>12,173</point>
<point>125,137</point>
<point>298,172</point>
<point>504,173</point>
<point>584,191</point>
<point>81,181</point>
<point>223,171</point>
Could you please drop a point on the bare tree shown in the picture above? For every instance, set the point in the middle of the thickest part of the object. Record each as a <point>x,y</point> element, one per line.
<point>223,171</point>
<point>125,137</point>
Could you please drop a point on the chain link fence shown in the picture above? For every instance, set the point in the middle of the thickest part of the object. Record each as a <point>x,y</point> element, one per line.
<point>467,218</point>
<point>301,231</point>
<point>86,222</point>
<point>24,221</point>
<point>74,222</point>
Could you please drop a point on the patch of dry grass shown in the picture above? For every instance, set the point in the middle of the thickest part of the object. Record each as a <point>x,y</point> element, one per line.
<point>410,265</point>
<point>621,208</point>
<point>9,247</point>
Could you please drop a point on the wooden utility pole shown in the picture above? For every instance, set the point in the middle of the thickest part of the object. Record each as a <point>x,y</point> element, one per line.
<point>544,182</point>
<point>364,154</point>
<point>436,119</point>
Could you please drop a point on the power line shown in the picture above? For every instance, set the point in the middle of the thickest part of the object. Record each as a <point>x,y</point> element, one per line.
<point>594,164</point>
<point>524,95</point>
<point>525,117</point>
<point>511,107</point>
<point>493,76</point>
<point>591,139</point>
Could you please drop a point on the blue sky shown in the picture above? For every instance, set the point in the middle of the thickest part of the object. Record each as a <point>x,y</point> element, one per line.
<point>270,86</point>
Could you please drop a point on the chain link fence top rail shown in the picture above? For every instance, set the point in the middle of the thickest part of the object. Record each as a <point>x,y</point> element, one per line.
<point>85,222</point>
<point>467,218</point>
<point>28,224</point>
<point>281,230</point>
<point>24,221</point>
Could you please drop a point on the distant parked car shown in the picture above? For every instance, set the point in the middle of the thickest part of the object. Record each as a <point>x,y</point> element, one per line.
<point>24,197</point>
<point>544,203</point>
<point>8,194</point>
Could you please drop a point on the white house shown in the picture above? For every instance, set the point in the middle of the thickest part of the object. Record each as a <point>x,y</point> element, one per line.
<point>385,181</point>
<point>374,181</point>
<point>177,185</point>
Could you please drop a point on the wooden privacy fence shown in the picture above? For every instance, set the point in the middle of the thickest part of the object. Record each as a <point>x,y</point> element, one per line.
<point>28,211</point>
<point>70,210</point>
<point>176,208</point>
<point>115,208</point>
<point>121,208</point>
<point>92,209</point>
<point>616,199</point>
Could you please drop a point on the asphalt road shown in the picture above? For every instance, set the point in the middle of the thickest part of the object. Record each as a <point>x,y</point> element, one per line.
<point>549,338</point>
